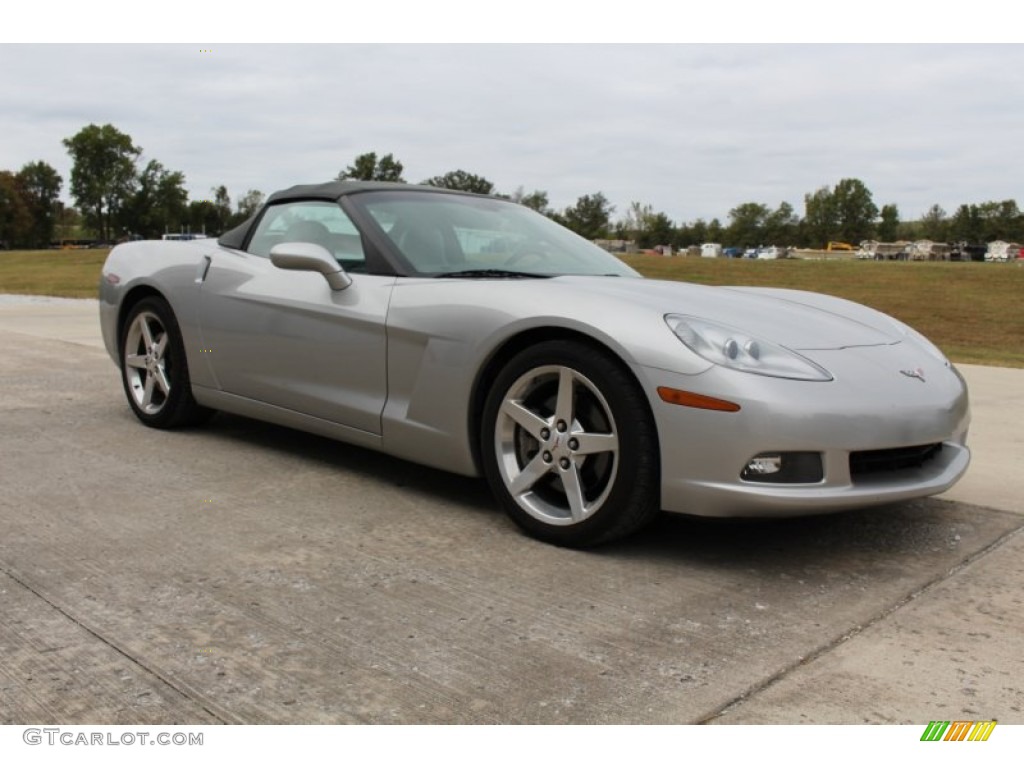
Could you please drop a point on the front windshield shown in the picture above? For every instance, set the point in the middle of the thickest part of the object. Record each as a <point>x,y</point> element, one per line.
<point>444,234</point>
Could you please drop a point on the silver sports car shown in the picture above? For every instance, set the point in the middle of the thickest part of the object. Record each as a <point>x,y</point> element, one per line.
<point>474,335</point>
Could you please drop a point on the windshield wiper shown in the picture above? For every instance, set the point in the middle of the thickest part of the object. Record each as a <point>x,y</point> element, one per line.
<point>506,273</point>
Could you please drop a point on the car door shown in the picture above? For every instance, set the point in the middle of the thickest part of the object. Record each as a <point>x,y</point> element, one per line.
<point>284,337</point>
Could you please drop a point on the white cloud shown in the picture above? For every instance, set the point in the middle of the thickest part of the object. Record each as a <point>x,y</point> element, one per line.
<point>691,129</point>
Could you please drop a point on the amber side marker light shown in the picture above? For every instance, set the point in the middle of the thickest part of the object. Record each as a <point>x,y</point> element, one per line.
<point>693,400</point>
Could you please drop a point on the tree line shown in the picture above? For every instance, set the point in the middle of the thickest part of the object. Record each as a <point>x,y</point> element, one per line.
<point>844,213</point>
<point>117,196</point>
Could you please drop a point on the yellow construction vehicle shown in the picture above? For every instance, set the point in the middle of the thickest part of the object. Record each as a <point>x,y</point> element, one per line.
<point>836,246</point>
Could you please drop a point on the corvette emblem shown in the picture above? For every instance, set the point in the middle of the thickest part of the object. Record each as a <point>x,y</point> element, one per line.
<point>915,373</point>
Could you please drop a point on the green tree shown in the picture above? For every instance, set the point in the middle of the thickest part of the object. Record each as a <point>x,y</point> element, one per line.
<point>747,223</point>
<point>159,204</point>
<point>589,217</point>
<point>889,226</point>
<point>1000,221</point>
<point>933,224</point>
<point>659,230</point>
<point>103,174</point>
<point>15,216</point>
<point>781,226</point>
<point>248,205</point>
<point>536,200</point>
<point>715,232</point>
<point>821,220</point>
<point>222,202</point>
<point>700,231</point>
<point>845,213</point>
<point>694,233</point>
<point>462,181</point>
<point>646,227</point>
<point>366,167</point>
<point>635,223</point>
<point>965,225</point>
<point>40,190</point>
<point>855,211</point>
<point>204,217</point>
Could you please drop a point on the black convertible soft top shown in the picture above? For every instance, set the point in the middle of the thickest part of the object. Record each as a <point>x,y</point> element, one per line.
<point>333,190</point>
<point>330,190</point>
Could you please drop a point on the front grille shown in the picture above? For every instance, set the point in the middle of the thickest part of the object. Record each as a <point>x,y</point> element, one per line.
<point>891,459</point>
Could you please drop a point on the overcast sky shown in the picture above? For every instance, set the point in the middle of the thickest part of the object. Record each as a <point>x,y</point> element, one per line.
<point>691,129</point>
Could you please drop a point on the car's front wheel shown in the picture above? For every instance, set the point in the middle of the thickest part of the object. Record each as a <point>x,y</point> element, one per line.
<point>569,446</point>
<point>153,367</point>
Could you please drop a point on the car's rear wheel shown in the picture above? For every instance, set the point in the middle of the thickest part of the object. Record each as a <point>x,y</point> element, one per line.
<point>153,367</point>
<point>569,446</point>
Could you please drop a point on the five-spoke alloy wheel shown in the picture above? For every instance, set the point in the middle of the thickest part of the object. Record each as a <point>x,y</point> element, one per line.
<point>568,445</point>
<point>153,367</point>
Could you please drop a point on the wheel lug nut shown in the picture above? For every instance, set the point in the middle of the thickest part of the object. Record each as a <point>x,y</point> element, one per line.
<point>563,463</point>
<point>561,426</point>
<point>545,433</point>
<point>574,444</point>
<point>546,457</point>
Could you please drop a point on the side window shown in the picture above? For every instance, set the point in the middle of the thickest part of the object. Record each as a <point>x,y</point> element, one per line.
<point>311,221</point>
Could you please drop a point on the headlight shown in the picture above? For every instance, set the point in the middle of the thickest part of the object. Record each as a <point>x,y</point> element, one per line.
<point>732,348</point>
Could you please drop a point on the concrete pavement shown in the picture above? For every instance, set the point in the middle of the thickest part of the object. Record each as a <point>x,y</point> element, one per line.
<point>246,573</point>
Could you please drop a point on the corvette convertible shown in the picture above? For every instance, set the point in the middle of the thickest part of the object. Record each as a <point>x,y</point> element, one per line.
<point>474,335</point>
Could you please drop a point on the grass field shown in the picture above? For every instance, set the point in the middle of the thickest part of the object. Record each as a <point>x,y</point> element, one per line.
<point>973,311</point>
<point>73,273</point>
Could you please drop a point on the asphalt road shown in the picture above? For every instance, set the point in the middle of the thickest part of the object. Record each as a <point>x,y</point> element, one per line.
<point>245,573</point>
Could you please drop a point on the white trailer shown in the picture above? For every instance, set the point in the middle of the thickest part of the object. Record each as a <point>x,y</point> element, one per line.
<point>1000,250</point>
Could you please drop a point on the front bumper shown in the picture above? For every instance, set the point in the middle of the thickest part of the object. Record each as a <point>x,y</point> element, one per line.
<point>869,406</point>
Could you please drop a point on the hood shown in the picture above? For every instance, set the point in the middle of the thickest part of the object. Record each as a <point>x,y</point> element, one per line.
<point>798,320</point>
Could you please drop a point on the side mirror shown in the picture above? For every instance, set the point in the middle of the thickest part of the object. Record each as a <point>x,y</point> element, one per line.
<point>310,257</point>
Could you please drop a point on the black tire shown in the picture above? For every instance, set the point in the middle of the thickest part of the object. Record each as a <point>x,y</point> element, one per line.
<point>154,371</point>
<point>563,416</point>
